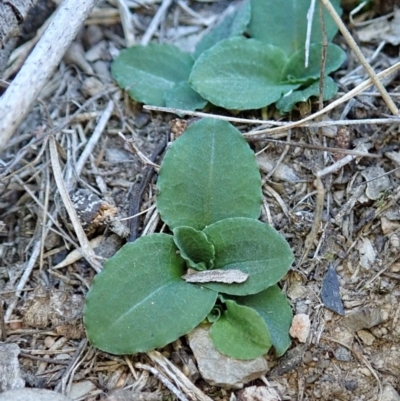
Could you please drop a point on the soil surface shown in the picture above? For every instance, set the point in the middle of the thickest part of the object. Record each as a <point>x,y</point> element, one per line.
<point>347,222</point>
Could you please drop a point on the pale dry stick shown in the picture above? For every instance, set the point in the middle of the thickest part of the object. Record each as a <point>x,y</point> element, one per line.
<point>71,368</point>
<point>208,115</point>
<point>172,371</point>
<point>24,278</point>
<point>138,214</point>
<point>368,121</point>
<point>324,148</point>
<point>310,16</point>
<point>131,368</point>
<point>19,157</point>
<point>101,184</point>
<point>94,138</point>
<point>178,394</point>
<point>356,70</point>
<point>86,250</point>
<point>278,198</point>
<point>198,19</point>
<point>155,22</point>
<point>19,97</point>
<point>152,224</point>
<point>136,151</point>
<point>76,255</point>
<point>51,217</point>
<point>279,161</point>
<point>126,22</point>
<point>370,21</point>
<point>44,217</point>
<point>352,43</point>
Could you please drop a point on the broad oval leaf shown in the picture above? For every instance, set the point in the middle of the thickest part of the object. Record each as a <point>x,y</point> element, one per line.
<point>147,73</point>
<point>240,332</point>
<point>234,24</point>
<point>254,248</point>
<point>208,174</point>
<point>139,301</point>
<point>273,306</point>
<point>285,25</point>
<point>296,72</point>
<point>194,247</point>
<point>241,74</point>
<point>182,96</point>
<point>286,103</point>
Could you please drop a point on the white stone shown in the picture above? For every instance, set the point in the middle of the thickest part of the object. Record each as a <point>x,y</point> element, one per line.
<point>220,370</point>
<point>300,328</point>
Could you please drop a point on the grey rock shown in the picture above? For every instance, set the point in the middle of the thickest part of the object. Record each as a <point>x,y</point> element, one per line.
<point>364,318</point>
<point>32,394</point>
<point>330,293</point>
<point>389,393</point>
<point>342,354</point>
<point>126,395</point>
<point>220,370</point>
<point>80,389</point>
<point>10,375</point>
<point>378,182</point>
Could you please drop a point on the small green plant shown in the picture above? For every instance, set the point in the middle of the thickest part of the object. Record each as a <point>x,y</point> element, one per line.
<point>209,195</point>
<point>234,71</point>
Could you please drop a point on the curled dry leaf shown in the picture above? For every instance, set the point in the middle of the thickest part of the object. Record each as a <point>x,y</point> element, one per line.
<point>216,276</point>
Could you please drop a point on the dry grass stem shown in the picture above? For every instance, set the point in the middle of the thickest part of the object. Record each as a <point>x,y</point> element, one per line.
<point>86,250</point>
<point>352,43</point>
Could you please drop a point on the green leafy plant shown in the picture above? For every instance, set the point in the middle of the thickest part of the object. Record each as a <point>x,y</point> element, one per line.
<point>219,263</point>
<point>234,71</point>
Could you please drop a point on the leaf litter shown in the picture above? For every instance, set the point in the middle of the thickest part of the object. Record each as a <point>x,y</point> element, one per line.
<point>33,239</point>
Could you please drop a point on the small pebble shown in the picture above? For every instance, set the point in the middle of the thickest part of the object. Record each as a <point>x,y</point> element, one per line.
<point>300,328</point>
<point>342,354</point>
<point>366,337</point>
<point>49,341</point>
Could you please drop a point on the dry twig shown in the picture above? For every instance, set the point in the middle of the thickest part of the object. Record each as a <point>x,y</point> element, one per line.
<point>40,65</point>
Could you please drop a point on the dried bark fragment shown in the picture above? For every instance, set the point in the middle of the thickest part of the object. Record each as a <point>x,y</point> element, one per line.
<point>13,14</point>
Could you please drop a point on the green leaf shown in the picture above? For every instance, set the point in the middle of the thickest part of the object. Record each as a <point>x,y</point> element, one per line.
<point>296,72</point>
<point>149,72</point>
<point>254,248</point>
<point>285,25</point>
<point>234,24</point>
<point>286,103</point>
<point>182,96</point>
<point>241,74</point>
<point>240,332</point>
<point>215,314</point>
<point>273,306</point>
<point>208,174</point>
<point>139,301</point>
<point>194,247</point>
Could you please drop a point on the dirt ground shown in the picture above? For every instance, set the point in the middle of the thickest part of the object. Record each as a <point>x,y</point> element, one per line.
<point>352,357</point>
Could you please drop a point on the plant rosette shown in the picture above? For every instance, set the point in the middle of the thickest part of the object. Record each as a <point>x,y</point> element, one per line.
<point>219,263</point>
<point>230,70</point>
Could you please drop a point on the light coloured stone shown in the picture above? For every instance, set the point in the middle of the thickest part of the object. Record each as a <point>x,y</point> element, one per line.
<point>389,393</point>
<point>366,337</point>
<point>80,389</point>
<point>220,370</point>
<point>32,394</point>
<point>10,375</point>
<point>300,327</point>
